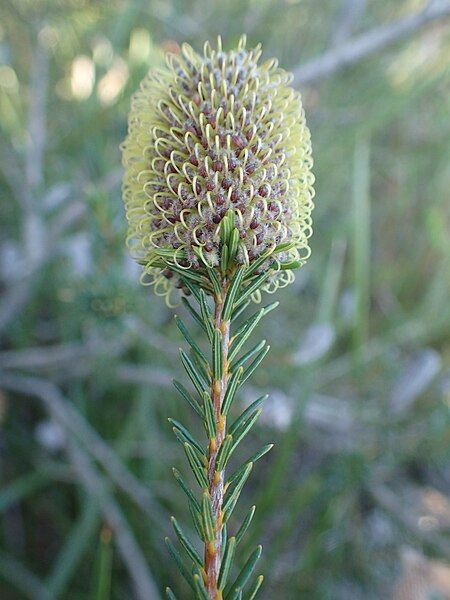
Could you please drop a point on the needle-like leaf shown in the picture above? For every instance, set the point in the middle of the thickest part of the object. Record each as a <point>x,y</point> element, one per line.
<point>245,524</point>
<point>254,365</point>
<point>233,496</point>
<point>246,572</point>
<point>188,547</point>
<point>189,339</point>
<point>210,422</point>
<point>232,293</point>
<point>179,562</point>
<point>248,355</point>
<point>233,384</point>
<point>193,373</point>
<point>251,594</point>
<point>217,355</point>
<point>227,561</point>
<point>189,399</point>
<point>186,489</point>
<point>196,466</point>
<point>224,453</point>
<point>208,517</point>
<point>246,414</point>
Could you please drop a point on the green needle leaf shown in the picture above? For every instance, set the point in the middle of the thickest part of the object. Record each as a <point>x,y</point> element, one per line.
<point>224,258</point>
<point>186,489</point>
<point>255,587</point>
<point>217,355</point>
<point>248,355</point>
<point>246,414</point>
<point>227,561</point>
<point>233,384</point>
<point>188,547</point>
<point>193,312</point>
<point>236,594</point>
<point>233,496</point>
<point>193,288</point>
<point>245,524</point>
<point>177,558</point>
<point>187,336</point>
<point>253,366</point>
<point>247,570</point>
<point>232,293</point>
<point>186,435</point>
<point>252,287</point>
<point>243,333</point>
<point>193,373</point>
<point>206,315</point>
<point>196,466</point>
<point>187,396</point>
<point>233,245</point>
<point>208,518</point>
<point>224,453</point>
<point>200,591</point>
<point>245,428</point>
<point>252,459</point>
<point>170,595</point>
<point>257,263</point>
<point>237,313</point>
<point>214,281</point>
<point>210,421</point>
<point>267,309</point>
<point>198,522</point>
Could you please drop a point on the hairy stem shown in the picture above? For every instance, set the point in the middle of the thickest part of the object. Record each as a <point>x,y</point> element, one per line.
<point>215,478</point>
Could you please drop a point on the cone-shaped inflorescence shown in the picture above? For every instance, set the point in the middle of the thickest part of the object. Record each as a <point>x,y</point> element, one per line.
<point>211,134</point>
<point>218,195</point>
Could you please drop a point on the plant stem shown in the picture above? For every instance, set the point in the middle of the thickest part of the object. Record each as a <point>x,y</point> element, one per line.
<point>216,479</point>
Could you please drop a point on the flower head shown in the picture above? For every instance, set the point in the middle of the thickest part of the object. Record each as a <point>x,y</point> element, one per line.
<point>212,137</point>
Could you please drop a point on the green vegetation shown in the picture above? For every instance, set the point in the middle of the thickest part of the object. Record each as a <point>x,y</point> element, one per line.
<point>358,373</point>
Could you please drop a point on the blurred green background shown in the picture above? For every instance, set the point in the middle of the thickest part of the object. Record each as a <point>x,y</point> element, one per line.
<point>353,502</point>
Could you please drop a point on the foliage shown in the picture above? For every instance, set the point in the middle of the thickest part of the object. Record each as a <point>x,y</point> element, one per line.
<point>358,370</point>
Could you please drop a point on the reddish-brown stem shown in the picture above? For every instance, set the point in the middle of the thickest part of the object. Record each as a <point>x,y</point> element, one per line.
<point>216,479</point>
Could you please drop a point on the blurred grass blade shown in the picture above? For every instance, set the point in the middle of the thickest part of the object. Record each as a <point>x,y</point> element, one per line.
<point>20,488</point>
<point>105,566</point>
<point>361,242</point>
